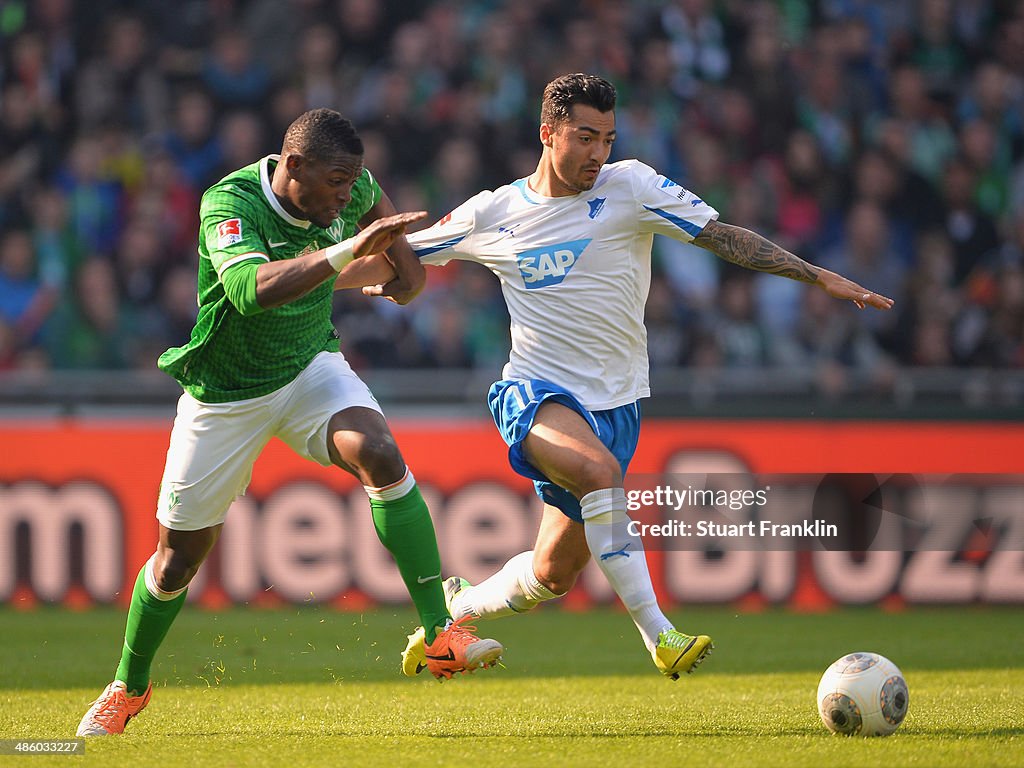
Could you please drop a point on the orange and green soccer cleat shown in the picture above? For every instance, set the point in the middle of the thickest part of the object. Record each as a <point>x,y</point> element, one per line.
<point>110,713</point>
<point>455,649</point>
<point>414,657</point>
<point>676,652</point>
<point>476,652</point>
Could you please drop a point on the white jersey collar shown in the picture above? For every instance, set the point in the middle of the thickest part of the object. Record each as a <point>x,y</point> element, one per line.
<point>268,192</point>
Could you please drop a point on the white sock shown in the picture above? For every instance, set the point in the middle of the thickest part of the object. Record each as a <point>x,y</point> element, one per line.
<point>396,490</point>
<point>513,589</point>
<point>621,558</point>
<point>151,585</point>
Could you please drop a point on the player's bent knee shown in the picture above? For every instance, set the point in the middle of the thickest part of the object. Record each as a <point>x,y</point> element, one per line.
<point>559,584</point>
<point>374,458</point>
<point>175,572</point>
<point>559,577</point>
<point>596,476</point>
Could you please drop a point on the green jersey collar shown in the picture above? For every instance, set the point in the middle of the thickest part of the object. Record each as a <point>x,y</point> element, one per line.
<point>272,198</point>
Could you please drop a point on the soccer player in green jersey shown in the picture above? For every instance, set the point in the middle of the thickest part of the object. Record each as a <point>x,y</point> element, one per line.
<point>276,239</point>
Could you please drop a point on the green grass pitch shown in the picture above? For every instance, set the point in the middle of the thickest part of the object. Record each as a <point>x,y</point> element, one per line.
<point>312,686</point>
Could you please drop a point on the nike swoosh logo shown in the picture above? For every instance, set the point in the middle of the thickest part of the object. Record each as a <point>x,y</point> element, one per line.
<point>425,579</point>
<point>449,657</point>
<point>685,651</point>
<point>278,245</point>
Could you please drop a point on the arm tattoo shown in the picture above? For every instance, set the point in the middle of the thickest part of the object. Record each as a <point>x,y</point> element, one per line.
<point>751,250</point>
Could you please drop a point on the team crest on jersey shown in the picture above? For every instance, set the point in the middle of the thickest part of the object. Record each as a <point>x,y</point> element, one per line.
<point>229,232</point>
<point>549,264</point>
<point>596,206</point>
<point>337,230</point>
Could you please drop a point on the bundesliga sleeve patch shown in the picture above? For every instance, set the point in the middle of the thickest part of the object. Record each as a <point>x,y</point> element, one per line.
<point>229,232</point>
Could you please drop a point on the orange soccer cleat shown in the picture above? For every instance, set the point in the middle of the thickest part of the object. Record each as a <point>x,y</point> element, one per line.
<point>110,713</point>
<point>457,649</point>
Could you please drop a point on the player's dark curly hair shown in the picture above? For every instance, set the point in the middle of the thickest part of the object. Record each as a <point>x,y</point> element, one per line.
<point>322,134</point>
<point>563,92</point>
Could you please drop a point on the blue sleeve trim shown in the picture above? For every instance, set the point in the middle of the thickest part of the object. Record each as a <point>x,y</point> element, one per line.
<point>687,226</point>
<point>432,249</point>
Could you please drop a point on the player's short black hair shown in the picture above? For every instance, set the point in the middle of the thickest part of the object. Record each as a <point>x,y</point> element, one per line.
<point>562,93</point>
<point>322,134</point>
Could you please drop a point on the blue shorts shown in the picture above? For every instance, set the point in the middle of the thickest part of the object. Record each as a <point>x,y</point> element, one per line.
<point>514,404</point>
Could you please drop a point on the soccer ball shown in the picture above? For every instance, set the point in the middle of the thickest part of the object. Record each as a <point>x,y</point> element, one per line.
<point>863,694</point>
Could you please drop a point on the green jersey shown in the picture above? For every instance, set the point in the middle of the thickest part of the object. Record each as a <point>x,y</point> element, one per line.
<point>235,357</point>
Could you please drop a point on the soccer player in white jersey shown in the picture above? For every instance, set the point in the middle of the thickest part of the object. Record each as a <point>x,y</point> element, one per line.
<point>571,245</point>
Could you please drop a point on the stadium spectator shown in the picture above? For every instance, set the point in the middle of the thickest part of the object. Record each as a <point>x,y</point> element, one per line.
<point>28,148</point>
<point>123,85</point>
<point>167,205</point>
<point>697,39</point>
<point>193,141</point>
<point>94,199</point>
<point>931,140</point>
<point>58,250</point>
<point>973,233</point>
<point>865,254</point>
<point>231,72</point>
<point>94,328</point>
<point>25,301</point>
<point>831,343</point>
<point>744,343</point>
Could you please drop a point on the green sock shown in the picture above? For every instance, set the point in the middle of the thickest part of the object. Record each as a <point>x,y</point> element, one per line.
<point>405,528</point>
<point>149,618</point>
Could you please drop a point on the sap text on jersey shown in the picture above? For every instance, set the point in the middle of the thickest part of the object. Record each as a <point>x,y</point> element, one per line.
<point>549,264</point>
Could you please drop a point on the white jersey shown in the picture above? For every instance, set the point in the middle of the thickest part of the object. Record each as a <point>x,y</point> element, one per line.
<point>575,272</point>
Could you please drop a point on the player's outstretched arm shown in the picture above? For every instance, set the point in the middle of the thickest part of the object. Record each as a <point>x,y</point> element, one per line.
<point>280,282</point>
<point>753,251</point>
<point>372,270</point>
<point>407,277</point>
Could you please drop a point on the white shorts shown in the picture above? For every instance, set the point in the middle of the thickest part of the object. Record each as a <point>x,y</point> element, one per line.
<point>214,445</point>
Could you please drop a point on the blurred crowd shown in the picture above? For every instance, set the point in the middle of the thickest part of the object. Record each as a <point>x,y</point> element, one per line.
<point>884,140</point>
